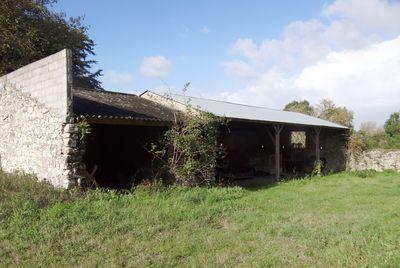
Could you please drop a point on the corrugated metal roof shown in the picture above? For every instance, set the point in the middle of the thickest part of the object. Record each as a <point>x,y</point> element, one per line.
<point>247,112</point>
<point>91,103</point>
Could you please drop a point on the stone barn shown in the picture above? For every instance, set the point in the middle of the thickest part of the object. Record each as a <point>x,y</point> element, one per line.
<point>41,111</point>
<point>39,134</point>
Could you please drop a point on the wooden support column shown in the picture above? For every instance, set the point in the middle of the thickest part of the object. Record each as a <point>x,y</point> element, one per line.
<point>317,145</point>
<point>278,129</point>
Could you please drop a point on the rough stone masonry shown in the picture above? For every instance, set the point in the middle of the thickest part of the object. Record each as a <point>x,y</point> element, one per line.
<point>37,133</point>
<point>378,160</point>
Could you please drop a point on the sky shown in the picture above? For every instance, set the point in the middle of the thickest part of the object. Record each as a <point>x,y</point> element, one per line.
<point>264,53</point>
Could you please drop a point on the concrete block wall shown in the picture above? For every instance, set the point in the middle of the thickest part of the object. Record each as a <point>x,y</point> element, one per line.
<point>48,80</point>
<point>37,134</point>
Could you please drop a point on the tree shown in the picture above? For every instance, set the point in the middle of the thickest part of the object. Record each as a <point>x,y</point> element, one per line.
<point>370,127</point>
<point>392,125</point>
<point>300,107</point>
<point>327,110</point>
<point>30,31</point>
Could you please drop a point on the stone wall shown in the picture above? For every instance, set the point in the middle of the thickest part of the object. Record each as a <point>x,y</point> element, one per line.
<point>37,134</point>
<point>378,160</point>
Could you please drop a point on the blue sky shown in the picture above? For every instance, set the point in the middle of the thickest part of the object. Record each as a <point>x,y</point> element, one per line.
<point>255,52</point>
<point>193,35</point>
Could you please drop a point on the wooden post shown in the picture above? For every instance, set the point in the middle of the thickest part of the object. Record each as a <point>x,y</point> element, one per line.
<point>278,129</point>
<point>317,145</point>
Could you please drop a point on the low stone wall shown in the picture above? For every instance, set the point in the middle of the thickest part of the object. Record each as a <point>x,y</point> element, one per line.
<point>378,160</point>
<point>35,139</point>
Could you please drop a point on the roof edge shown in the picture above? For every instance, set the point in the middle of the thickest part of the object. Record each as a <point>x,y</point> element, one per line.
<point>260,107</point>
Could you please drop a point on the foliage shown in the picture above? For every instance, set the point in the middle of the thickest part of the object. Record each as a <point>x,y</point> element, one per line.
<point>327,110</point>
<point>380,140</point>
<point>30,31</point>
<point>300,107</point>
<point>84,129</point>
<point>392,125</point>
<point>317,170</point>
<point>387,139</point>
<point>191,147</point>
<point>356,144</point>
<point>339,220</point>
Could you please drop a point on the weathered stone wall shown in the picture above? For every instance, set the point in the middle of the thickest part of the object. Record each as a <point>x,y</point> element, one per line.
<point>37,134</point>
<point>34,139</point>
<point>378,160</point>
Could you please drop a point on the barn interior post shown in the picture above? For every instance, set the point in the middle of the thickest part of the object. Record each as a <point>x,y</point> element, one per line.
<point>278,129</point>
<point>317,145</point>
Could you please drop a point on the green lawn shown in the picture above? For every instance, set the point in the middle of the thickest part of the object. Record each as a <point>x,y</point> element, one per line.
<point>337,220</point>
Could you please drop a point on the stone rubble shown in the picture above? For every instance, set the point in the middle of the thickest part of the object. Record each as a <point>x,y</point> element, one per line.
<point>378,160</point>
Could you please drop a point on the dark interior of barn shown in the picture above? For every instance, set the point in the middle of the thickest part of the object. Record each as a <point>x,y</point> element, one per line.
<point>120,157</point>
<point>119,153</point>
<point>250,151</point>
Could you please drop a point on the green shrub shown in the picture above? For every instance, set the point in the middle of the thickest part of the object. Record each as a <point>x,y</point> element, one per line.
<point>369,173</point>
<point>190,149</point>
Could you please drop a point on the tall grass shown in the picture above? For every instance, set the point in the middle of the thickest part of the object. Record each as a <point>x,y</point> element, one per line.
<point>337,220</point>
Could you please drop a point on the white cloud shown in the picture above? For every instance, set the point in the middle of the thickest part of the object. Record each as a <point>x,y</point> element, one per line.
<point>367,15</point>
<point>238,68</point>
<point>205,30</point>
<point>364,79</point>
<point>352,55</point>
<point>156,67</point>
<point>118,79</point>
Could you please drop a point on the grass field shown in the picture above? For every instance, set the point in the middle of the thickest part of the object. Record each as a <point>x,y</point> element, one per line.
<point>336,220</point>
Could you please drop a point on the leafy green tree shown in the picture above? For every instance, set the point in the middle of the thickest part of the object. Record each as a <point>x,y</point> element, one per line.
<point>392,125</point>
<point>29,31</point>
<point>327,110</point>
<point>300,107</point>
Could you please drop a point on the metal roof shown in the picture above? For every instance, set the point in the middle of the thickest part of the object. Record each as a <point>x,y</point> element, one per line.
<point>247,112</point>
<point>98,104</point>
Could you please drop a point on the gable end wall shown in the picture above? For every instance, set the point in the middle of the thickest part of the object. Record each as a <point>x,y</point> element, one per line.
<point>37,135</point>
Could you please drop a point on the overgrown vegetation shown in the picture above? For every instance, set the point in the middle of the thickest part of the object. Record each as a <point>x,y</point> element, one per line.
<point>190,149</point>
<point>371,137</point>
<point>345,219</point>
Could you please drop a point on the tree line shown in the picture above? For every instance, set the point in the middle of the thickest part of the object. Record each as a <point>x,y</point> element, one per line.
<point>369,136</point>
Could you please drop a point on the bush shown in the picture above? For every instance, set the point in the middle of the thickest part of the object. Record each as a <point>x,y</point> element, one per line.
<point>190,149</point>
<point>356,144</point>
<point>380,140</point>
